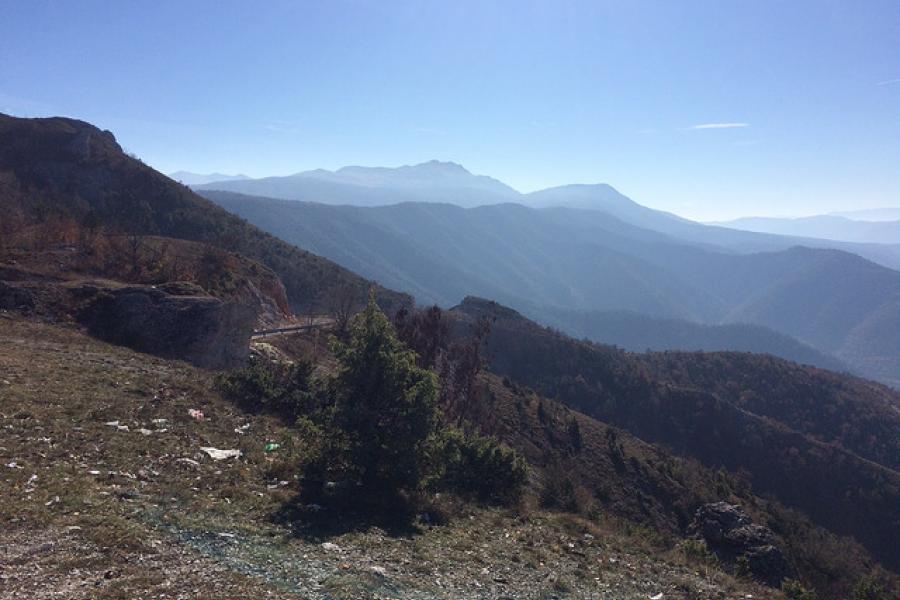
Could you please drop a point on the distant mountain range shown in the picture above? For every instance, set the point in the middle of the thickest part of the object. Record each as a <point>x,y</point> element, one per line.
<point>433,181</point>
<point>871,214</point>
<point>450,183</point>
<point>829,227</point>
<point>568,267</point>
<point>188,178</point>
<point>577,256</point>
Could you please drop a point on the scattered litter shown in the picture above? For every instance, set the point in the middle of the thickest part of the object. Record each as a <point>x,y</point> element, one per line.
<point>331,547</point>
<point>122,427</point>
<point>112,423</point>
<point>196,414</point>
<point>188,461</point>
<point>217,454</point>
<point>272,446</point>
<point>53,500</point>
<point>657,597</point>
<point>145,431</point>
<point>159,421</point>
<point>73,528</point>
<point>13,465</point>
<point>226,535</point>
<point>242,429</point>
<point>94,472</point>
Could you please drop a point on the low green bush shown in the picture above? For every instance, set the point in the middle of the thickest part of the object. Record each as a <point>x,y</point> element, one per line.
<point>482,467</point>
<point>794,590</point>
<point>286,390</point>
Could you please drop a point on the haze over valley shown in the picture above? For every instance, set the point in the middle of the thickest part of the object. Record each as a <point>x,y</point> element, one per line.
<point>584,257</point>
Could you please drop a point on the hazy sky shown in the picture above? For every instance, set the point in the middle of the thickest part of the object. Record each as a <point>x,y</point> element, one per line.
<point>711,109</point>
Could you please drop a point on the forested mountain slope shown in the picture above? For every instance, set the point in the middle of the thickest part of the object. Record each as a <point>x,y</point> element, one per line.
<point>810,435</point>
<point>58,168</point>
<point>587,260</point>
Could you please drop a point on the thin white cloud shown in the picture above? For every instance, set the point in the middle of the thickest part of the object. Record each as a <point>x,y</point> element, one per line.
<point>888,82</point>
<point>717,126</point>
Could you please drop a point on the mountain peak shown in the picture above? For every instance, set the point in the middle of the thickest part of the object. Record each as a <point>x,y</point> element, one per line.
<point>429,168</point>
<point>439,166</point>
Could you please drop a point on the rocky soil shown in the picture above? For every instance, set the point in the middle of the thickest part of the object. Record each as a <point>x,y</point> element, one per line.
<point>108,490</point>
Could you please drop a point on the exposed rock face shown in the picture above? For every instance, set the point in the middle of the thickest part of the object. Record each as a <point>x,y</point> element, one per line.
<point>174,320</point>
<point>199,329</point>
<point>731,534</point>
<point>81,145</point>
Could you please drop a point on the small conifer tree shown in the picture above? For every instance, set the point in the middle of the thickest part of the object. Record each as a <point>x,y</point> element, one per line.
<point>384,407</point>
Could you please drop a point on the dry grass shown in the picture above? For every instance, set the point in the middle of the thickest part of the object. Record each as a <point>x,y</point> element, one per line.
<point>119,514</point>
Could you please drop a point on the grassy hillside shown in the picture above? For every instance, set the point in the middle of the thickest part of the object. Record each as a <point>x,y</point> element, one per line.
<point>136,509</point>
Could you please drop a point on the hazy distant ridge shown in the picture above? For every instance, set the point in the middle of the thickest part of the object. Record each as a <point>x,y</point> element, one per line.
<point>450,183</point>
<point>188,178</point>
<point>829,227</point>
<point>589,260</point>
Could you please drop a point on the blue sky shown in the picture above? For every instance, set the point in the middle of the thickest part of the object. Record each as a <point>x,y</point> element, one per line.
<point>805,93</point>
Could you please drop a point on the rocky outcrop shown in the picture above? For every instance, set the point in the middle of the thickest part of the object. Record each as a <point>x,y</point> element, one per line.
<point>731,534</point>
<point>174,320</point>
<point>202,330</point>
